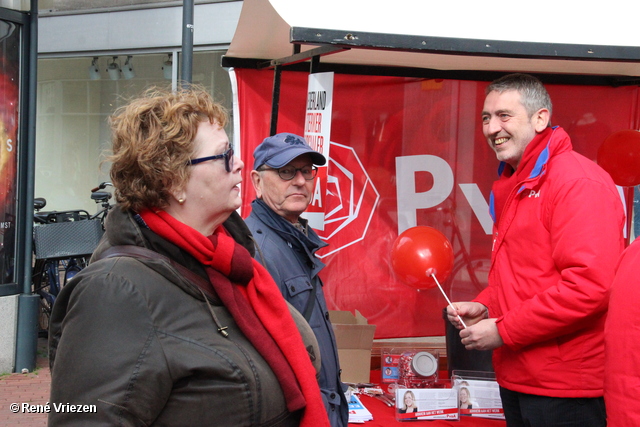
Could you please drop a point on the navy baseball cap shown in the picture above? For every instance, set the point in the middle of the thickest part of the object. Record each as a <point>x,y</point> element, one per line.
<point>278,150</point>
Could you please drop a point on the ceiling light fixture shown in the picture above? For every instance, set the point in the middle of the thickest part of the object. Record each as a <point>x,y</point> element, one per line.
<point>114,69</point>
<point>127,69</point>
<point>167,67</point>
<point>94,74</point>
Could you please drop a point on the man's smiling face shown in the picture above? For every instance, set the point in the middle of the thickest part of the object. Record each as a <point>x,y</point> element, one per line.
<point>508,127</point>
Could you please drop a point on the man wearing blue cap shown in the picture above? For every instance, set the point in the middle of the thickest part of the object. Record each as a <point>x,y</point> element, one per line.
<point>283,177</point>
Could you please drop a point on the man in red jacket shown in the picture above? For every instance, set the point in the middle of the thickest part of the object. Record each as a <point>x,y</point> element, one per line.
<point>622,347</point>
<point>557,235</point>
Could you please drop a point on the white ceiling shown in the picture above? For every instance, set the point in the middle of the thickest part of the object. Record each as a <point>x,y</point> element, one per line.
<point>263,32</point>
<point>135,30</point>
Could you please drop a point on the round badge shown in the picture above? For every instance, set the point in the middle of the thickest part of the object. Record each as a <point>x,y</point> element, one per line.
<point>424,364</point>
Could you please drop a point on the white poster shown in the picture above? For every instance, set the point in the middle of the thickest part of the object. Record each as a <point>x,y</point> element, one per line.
<point>317,132</point>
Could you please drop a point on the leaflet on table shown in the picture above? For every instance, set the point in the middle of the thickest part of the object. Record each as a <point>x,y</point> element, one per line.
<point>426,404</point>
<point>357,411</point>
<point>478,394</point>
<point>389,364</point>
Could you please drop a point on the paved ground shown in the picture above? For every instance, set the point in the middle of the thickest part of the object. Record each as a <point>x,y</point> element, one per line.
<point>32,389</point>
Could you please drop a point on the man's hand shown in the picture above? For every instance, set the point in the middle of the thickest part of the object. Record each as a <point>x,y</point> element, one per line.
<point>471,313</point>
<point>483,335</point>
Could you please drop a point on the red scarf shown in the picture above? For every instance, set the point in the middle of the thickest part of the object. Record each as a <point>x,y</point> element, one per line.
<point>256,304</point>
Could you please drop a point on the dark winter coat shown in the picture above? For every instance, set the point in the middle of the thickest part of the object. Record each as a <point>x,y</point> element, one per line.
<point>137,340</point>
<point>289,256</point>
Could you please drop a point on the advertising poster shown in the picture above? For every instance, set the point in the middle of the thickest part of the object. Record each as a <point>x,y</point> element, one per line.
<point>317,132</point>
<point>9,85</point>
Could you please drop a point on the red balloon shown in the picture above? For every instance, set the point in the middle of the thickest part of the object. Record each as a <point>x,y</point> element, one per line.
<point>619,155</point>
<point>416,252</point>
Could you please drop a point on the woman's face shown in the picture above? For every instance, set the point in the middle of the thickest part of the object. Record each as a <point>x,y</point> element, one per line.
<point>408,399</point>
<point>464,395</point>
<point>211,193</point>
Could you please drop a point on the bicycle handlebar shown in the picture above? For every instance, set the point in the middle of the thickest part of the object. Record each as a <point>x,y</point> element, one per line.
<point>102,186</point>
<point>49,217</point>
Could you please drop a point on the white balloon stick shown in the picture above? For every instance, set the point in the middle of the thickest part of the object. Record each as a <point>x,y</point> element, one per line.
<point>432,272</point>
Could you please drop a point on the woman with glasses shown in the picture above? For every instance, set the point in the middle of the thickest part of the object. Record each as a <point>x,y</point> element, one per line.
<point>174,322</point>
<point>284,177</point>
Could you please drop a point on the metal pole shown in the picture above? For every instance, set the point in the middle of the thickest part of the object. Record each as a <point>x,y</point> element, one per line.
<point>315,63</point>
<point>275,99</point>
<point>28,304</point>
<point>186,60</point>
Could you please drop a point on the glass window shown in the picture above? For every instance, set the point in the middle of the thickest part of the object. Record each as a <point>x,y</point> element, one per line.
<point>74,103</point>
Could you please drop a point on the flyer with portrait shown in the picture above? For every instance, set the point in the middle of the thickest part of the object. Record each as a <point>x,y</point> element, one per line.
<point>478,394</point>
<point>426,404</point>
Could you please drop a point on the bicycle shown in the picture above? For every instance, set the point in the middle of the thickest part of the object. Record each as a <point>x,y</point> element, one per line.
<point>63,244</point>
<point>102,198</point>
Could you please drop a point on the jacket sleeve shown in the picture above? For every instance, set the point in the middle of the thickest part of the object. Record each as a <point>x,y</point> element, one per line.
<point>106,354</point>
<point>585,220</point>
<point>622,346</point>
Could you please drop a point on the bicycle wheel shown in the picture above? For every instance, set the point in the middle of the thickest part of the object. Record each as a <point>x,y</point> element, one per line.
<point>45,285</point>
<point>467,280</point>
<point>44,314</point>
<point>73,267</point>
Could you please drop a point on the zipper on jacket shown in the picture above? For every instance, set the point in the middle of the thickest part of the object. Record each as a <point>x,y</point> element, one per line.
<point>510,199</point>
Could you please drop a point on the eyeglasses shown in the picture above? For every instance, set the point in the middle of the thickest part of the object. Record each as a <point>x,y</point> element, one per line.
<point>227,156</point>
<point>287,173</point>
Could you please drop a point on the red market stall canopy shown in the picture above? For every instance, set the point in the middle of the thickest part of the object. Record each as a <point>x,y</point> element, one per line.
<point>406,144</point>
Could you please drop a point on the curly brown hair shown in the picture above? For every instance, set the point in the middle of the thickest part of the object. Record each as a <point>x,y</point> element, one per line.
<point>152,142</point>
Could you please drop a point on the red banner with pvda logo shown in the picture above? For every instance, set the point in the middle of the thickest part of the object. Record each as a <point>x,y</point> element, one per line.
<point>405,152</point>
